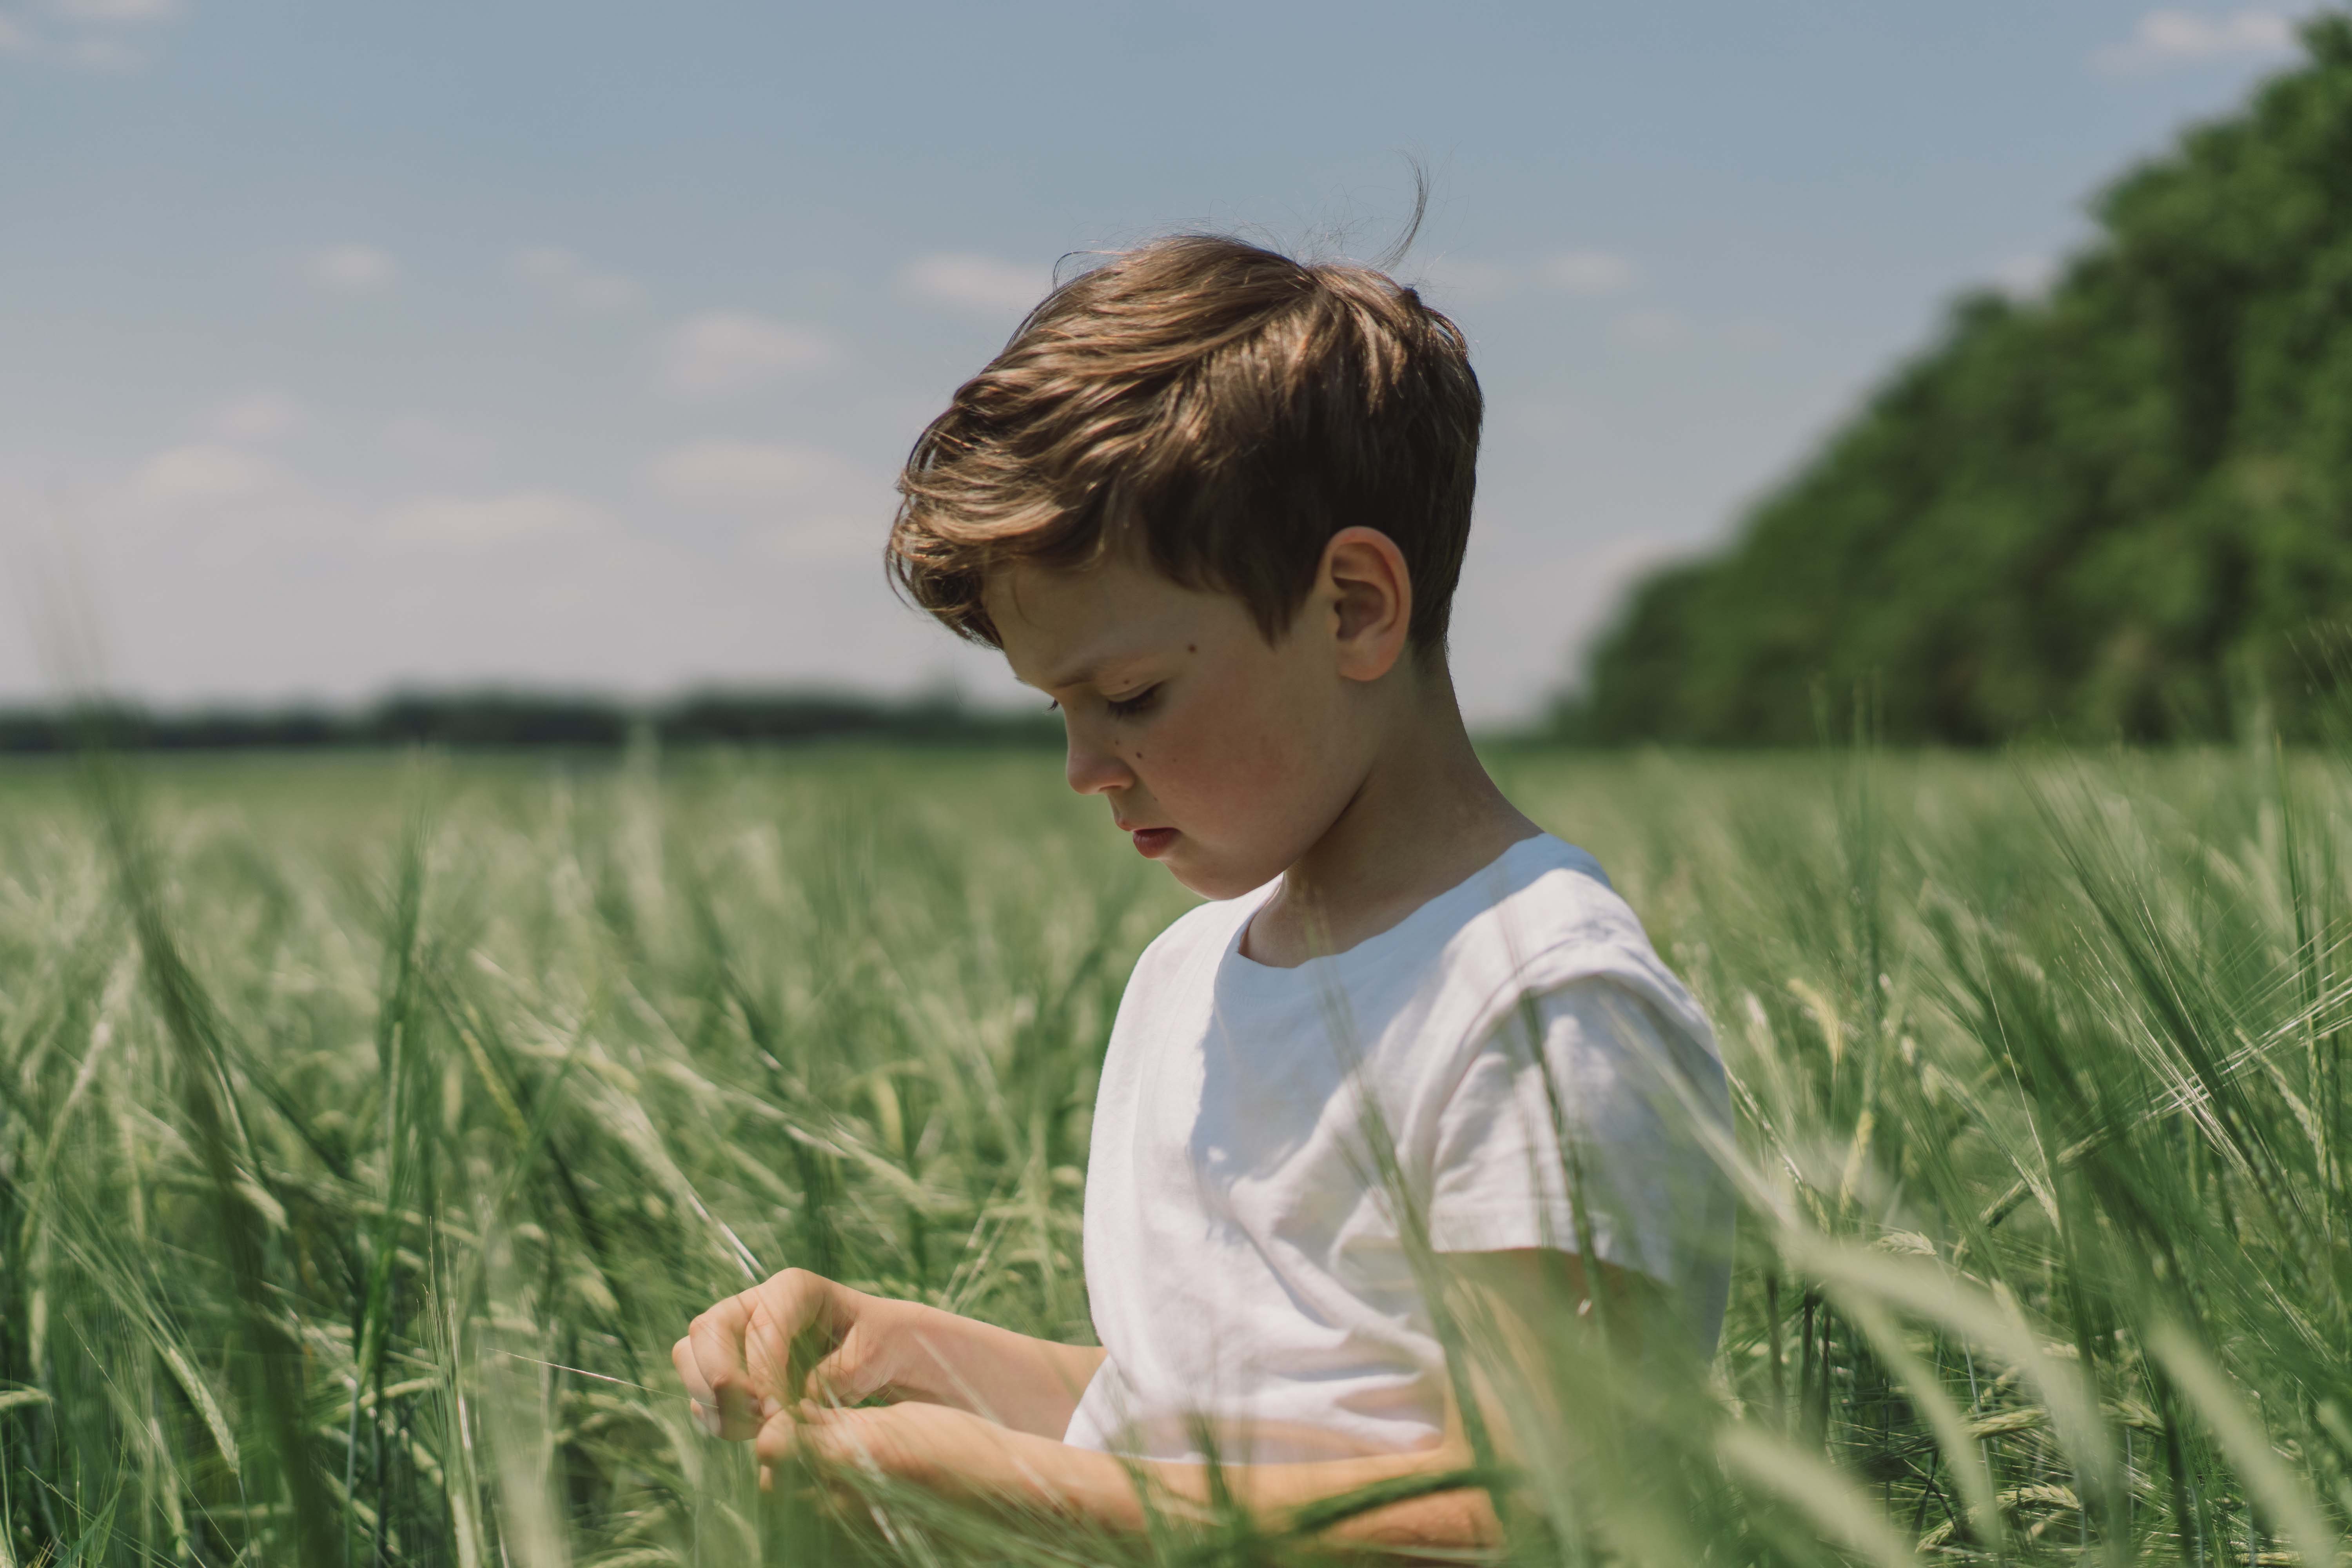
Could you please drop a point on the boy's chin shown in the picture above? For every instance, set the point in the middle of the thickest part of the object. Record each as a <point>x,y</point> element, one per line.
<point>1208,876</point>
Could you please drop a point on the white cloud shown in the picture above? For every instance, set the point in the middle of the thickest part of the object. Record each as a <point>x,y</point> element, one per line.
<point>224,500</point>
<point>469,525</point>
<point>973,282</point>
<point>811,504</point>
<point>724,351</point>
<point>205,475</point>
<point>117,12</point>
<point>351,268</point>
<point>257,416</point>
<point>2165,39</point>
<point>1586,273</point>
<point>95,35</point>
<point>567,276</point>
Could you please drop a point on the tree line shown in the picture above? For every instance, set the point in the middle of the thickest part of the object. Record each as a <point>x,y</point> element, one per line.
<point>2120,511</point>
<point>503,718</point>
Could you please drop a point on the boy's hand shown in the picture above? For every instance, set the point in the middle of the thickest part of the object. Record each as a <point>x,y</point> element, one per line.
<point>796,1336</point>
<point>800,1336</point>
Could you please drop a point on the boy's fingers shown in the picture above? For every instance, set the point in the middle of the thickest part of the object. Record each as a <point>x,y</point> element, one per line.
<point>738,1411</point>
<point>785,1310</point>
<point>701,1402</point>
<point>697,1387</point>
<point>741,1348</point>
<point>717,1341</point>
<point>852,1373</point>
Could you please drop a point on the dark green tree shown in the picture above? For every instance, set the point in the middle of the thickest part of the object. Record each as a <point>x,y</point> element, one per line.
<point>2115,511</point>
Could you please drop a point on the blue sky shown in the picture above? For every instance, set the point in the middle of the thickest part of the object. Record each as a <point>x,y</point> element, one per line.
<point>575,344</point>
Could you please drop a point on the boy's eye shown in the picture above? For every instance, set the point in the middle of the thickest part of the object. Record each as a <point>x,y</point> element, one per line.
<point>1128,707</point>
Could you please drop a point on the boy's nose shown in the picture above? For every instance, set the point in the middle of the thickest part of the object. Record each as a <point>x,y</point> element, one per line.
<point>1094,768</point>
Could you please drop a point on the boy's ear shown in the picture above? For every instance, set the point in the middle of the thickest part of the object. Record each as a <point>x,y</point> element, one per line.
<point>1371,597</point>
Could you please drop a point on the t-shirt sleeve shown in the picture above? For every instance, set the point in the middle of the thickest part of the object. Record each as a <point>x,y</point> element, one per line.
<point>1596,1116</point>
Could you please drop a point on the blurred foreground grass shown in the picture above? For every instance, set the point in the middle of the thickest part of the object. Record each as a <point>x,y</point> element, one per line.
<point>368,1129</point>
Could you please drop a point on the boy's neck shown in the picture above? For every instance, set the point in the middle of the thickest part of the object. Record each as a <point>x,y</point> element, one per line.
<point>1425,818</point>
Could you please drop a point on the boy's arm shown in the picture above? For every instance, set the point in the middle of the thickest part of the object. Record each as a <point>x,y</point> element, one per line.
<point>1524,1296</point>
<point>962,1456</point>
<point>800,1336</point>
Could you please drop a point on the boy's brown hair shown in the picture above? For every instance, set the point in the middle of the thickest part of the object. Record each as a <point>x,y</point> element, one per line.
<point>1219,408</point>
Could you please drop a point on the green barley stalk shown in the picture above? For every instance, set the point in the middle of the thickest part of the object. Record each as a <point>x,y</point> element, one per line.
<point>194,1030</point>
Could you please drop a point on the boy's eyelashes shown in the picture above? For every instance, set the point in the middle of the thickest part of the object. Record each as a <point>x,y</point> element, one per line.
<point>1128,707</point>
<point>1120,707</point>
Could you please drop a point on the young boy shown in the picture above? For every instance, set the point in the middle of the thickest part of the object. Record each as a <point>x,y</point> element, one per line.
<point>1214,502</point>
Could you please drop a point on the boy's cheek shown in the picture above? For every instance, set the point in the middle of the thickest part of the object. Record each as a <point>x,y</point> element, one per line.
<point>1230,758</point>
<point>1240,784</point>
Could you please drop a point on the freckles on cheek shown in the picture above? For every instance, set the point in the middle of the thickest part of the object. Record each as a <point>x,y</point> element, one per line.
<point>1226,752</point>
<point>1241,758</point>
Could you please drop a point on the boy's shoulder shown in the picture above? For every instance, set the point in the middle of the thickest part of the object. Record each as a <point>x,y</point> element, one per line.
<point>1542,896</point>
<point>1550,918</point>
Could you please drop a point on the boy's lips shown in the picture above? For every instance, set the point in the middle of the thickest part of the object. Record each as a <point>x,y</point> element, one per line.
<point>1151,843</point>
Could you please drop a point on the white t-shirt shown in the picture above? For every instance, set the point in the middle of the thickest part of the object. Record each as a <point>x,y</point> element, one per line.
<point>1242,1250</point>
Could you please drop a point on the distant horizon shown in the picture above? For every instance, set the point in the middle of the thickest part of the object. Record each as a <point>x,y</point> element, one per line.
<point>941,696</point>
<point>851,713</point>
<point>515,719</point>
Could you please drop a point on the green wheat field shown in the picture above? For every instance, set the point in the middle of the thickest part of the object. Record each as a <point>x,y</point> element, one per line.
<point>369,1128</point>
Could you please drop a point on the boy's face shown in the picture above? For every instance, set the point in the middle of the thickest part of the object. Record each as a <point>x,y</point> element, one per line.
<point>1227,757</point>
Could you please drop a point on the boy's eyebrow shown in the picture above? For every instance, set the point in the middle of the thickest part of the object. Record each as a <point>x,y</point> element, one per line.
<point>1059,679</point>
<point>1089,666</point>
